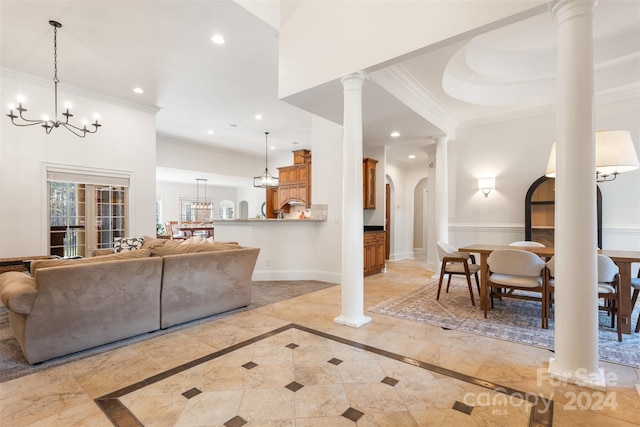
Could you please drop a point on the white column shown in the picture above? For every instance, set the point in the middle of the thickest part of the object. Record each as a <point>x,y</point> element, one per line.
<point>352,206</point>
<point>576,300</point>
<point>442,199</point>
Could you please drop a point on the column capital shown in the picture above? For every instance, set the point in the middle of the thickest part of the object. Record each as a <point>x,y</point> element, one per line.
<point>442,139</point>
<point>354,80</point>
<point>563,10</point>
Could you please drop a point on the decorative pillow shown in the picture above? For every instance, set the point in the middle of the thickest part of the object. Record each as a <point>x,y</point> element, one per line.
<point>121,244</point>
<point>189,249</point>
<point>152,242</point>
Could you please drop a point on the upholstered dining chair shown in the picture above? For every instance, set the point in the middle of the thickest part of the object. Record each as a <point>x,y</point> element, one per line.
<point>514,271</point>
<point>454,262</point>
<point>608,288</point>
<point>529,243</point>
<point>173,228</point>
<point>635,284</point>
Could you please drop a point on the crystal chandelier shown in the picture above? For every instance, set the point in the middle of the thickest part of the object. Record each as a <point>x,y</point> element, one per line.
<point>266,179</point>
<point>46,123</point>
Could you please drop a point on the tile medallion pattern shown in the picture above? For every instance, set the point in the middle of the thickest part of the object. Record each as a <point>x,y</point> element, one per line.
<point>298,376</point>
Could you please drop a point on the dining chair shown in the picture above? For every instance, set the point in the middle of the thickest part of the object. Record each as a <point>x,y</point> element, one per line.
<point>514,271</point>
<point>529,243</point>
<point>635,284</point>
<point>173,229</point>
<point>608,289</point>
<point>454,262</point>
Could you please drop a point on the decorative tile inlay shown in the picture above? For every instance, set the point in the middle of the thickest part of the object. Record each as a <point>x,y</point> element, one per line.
<point>249,365</point>
<point>294,386</point>
<point>191,393</point>
<point>320,379</point>
<point>352,414</point>
<point>464,408</point>
<point>390,381</point>
<point>236,421</point>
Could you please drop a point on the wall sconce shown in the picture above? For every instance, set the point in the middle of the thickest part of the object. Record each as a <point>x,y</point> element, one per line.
<point>486,185</point>
<point>615,154</point>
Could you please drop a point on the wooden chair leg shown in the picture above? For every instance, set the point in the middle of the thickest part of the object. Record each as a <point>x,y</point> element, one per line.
<point>441,279</point>
<point>473,303</point>
<point>619,315</point>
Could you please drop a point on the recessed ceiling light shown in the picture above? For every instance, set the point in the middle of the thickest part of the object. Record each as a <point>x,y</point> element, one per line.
<point>295,142</point>
<point>217,39</point>
<point>395,134</point>
<point>138,90</point>
<point>258,117</point>
<point>273,147</point>
<point>412,156</point>
<point>210,132</point>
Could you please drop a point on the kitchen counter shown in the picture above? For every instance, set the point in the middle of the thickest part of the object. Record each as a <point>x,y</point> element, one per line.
<point>257,221</point>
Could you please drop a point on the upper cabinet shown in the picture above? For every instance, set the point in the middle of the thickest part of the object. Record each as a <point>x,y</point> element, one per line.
<point>540,212</point>
<point>294,185</point>
<point>369,183</point>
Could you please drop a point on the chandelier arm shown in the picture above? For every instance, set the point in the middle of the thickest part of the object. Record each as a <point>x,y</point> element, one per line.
<point>75,130</point>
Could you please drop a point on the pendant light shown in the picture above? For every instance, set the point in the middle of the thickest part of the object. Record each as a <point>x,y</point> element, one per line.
<point>265,180</point>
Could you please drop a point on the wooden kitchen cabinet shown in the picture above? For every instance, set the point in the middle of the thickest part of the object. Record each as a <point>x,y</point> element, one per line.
<point>369,183</point>
<point>374,252</point>
<point>295,181</point>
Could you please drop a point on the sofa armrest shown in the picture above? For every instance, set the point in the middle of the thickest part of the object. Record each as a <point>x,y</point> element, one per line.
<point>17,291</point>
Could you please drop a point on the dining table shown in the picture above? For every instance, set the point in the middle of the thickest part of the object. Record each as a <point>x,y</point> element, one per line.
<point>622,258</point>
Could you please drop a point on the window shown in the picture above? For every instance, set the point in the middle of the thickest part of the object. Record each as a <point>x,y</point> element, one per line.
<point>85,211</point>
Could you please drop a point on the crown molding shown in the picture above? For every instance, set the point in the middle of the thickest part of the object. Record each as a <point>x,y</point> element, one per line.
<point>401,84</point>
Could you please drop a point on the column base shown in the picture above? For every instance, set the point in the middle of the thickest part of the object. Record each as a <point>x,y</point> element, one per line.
<point>354,322</point>
<point>594,380</point>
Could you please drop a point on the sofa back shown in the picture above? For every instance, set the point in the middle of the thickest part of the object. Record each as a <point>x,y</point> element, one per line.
<point>83,305</point>
<point>200,284</point>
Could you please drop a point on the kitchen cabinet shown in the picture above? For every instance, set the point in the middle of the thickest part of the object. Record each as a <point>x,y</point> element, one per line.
<point>369,183</point>
<point>374,252</point>
<point>295,181</point>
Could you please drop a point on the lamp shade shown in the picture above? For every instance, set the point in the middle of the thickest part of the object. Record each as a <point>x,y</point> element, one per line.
<point>615,154</point>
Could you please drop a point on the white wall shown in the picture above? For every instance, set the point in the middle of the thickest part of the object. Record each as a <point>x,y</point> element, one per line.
<point>516,153</point>
<point>125,143</point>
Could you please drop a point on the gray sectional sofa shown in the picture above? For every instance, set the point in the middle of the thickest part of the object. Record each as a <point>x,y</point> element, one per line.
<point>65,306</point>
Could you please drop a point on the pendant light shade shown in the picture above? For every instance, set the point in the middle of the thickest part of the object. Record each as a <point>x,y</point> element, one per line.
<point>615,154</point>
<point>265,180</point>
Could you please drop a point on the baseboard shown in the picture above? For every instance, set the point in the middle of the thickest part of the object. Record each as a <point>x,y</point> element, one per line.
<point>322,276</point>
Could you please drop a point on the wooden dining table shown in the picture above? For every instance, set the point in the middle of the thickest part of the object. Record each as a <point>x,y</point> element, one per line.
<point>623,260</point>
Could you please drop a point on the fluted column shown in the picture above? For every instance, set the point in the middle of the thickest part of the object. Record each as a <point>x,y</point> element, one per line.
<point>576,298</point>
<point>352,206</point>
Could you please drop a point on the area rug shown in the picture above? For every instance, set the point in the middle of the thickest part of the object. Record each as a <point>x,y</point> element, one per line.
<point>14,365</point>
<point>511,320</point>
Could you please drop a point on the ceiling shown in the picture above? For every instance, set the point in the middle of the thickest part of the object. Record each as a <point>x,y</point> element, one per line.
<point>165,48</point>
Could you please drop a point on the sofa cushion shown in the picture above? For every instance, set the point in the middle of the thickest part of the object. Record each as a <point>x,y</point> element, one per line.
<point>122,244</point>
<point>45,263</point>
<point>195,248</point>
<point>17,291</point>
<point>152,242</point>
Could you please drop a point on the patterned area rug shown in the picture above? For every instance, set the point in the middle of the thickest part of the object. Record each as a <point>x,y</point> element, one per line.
<point>14,365</point>
<point>510,320</point>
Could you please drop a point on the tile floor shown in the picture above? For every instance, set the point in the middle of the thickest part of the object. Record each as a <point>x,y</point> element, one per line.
<point>289,364</point>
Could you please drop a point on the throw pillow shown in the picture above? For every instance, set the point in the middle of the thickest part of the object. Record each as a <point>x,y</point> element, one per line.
<point>121,244</point>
